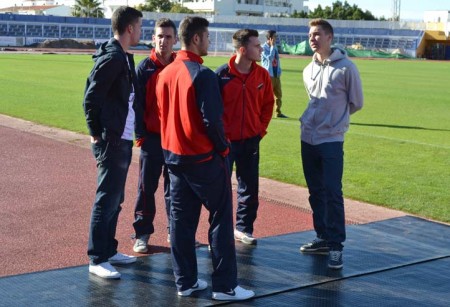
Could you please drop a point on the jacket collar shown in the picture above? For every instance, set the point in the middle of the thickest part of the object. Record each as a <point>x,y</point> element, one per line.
<point>185,55</point>
<point>155,59</point>
<point>235,72</point>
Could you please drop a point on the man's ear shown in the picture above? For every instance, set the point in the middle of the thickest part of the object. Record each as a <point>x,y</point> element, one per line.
<point>195,39</point>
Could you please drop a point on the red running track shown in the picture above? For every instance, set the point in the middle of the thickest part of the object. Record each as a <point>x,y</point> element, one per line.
<point>47,188</point>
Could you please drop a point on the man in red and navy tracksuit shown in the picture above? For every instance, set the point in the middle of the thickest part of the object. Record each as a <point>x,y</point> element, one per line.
<point>151,160</point>
<point>248,105</point>
<point>195,149</point>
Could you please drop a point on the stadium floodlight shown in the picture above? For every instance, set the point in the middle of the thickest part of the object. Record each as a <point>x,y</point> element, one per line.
<point>396,10</point>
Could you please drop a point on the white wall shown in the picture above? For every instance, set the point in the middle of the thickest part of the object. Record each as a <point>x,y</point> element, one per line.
<point>436,16</point>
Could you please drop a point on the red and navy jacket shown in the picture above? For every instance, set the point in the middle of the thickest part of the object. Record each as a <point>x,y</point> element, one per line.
<point>191,111</point>
<point>248,101</point>
<point>147,71</point>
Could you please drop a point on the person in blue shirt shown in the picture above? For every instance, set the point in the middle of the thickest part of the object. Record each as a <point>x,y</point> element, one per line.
<point>270,60</point>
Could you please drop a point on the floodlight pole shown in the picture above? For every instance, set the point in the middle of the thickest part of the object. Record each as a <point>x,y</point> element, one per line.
<point>396,10</point>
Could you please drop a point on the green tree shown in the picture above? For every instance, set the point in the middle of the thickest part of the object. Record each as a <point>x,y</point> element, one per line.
<point>178,8</point>
<point>341,11</point>
<point>88,8</point>
<point>156,6</point>
<point>317,13</point>
<point>301,14</point>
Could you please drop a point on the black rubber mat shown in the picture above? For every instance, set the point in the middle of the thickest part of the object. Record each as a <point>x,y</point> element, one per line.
<point>422,284</point>
<point>397,262</point>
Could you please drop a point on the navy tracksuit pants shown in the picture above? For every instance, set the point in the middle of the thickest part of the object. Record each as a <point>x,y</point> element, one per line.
<point>245,155</point>
<point>192,185</point>
<point>151,164</point>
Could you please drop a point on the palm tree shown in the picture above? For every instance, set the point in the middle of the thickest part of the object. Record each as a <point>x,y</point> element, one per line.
<point>88,8</point>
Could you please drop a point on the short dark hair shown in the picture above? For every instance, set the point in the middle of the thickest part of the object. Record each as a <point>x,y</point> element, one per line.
<point>166,23</point>
<point>190,26</point>
<point>122,17</point>
<point>326,26</point>
<point>242,37</point>
<point>270,33</point>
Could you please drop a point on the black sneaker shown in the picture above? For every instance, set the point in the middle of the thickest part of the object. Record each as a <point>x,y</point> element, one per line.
<point>335,260</point>
<point>317,246</point>
<point>281,115</point>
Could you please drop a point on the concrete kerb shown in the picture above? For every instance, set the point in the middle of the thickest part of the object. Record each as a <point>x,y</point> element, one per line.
<point>277,192</point>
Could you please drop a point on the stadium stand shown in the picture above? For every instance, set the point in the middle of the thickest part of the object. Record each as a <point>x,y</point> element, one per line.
<point>51,31</point>
<point>366,35</point>
<point>3,29</point>
<point>68,31</point>
<point>16,29</point>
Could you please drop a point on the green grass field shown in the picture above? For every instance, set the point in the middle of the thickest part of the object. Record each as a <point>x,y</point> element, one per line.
<point>397,152</point>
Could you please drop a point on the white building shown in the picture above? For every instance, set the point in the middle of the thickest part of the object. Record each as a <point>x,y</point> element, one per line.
<point>108,6</point>
<point>245,7</point>
<point>438,21</point>
<point>263,8</point>
<point>38,8</point>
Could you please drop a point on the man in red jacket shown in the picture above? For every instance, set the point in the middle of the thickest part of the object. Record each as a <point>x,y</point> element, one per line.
<point>248,105</point>
<point>151,160</point>
<point>195,147</point>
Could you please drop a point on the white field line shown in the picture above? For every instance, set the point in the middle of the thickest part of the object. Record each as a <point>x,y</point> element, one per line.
<point>369,135</point>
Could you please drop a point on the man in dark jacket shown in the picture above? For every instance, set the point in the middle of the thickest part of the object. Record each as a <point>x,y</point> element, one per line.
<point>111,106</point>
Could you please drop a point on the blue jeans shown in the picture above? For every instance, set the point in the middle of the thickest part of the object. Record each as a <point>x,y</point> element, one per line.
<point>113,162</point>
<point>192,185</point>
<point>151,164</point>
<point>323,167</point>
<point>245,155</point>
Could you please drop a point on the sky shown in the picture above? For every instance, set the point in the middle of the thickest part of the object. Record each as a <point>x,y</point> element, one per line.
<point>409,9</point>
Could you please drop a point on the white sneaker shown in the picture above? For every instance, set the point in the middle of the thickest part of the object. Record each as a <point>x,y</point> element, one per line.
<point>104,270</point>
<point>237,294</point>
<point>140,246</point>
<point>120,258</point>
<point>197,243</point>
<point>244,237</point>
<point>199,285</point>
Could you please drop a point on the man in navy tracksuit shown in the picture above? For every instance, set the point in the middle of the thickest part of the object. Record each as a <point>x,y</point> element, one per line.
<point>195,147</point>
<point>248,105</point>
<point>151,161</point>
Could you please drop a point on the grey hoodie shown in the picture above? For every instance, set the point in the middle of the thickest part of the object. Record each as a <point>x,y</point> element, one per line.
<point>335,91</point>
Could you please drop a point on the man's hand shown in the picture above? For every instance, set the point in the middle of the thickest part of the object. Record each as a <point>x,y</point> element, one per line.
<point>225,152</point>
<point>139,142</point>
<point>272,41</point>
<point>95,139</point>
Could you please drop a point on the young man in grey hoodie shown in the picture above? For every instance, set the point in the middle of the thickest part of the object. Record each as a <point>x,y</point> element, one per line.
<point>334,88</point>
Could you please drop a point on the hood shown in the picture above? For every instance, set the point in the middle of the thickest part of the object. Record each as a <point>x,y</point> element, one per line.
<point>336,55</point>
<point>111,46</point>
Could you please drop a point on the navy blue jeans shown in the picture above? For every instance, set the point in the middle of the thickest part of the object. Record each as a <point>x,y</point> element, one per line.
<point>245,155</point>
<point>323,167</point>
<point>113,162</point>
<point>151,164</point>
<point>192,185</point>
